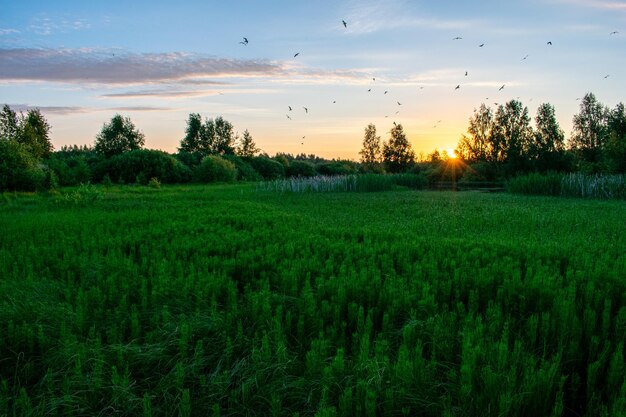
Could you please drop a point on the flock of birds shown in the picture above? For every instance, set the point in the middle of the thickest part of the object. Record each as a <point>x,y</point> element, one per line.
<point>458,86</point>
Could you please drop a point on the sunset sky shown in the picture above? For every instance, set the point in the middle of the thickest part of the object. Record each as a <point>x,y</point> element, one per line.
<point>81,62</point>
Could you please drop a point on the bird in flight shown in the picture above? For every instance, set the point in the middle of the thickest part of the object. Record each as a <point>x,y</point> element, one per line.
<point>466,73</point>
<point>288,117</point>
<point>306,110</point>
<point>289,108</point>
<point>606,76</point>
<point>481,45</point>
<point>385,92</point>
<point>523,59</point>
<point>334,101</point>
<point>369,90</point>
<point>244,42</point>
<point>614,32</point>
<point>501,88</point>
<point>457,38</point>
<point>296,54</point>
<point>399,104</point>
<point>373,78</point>
<point>549,43</point>
<point>457,87</point>
<point>345,25</point>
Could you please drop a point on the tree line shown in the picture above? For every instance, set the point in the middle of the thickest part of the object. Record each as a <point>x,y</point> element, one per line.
<point>499,144</point>
<point>502,143</point>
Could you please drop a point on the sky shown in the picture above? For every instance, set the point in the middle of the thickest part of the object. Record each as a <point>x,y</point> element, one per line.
<point>82,62</point>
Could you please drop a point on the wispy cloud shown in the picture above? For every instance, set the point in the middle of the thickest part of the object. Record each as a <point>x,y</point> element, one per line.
<point>160,94</point>
<point>47,26</point>
<point>597,4</point>
<point>373,16</point>
<point>140,108</point>
<point>61,110</point>
<point>97,66</point>
<point>8,31</point>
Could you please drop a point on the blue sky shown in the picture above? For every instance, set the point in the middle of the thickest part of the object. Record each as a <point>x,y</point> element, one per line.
<point>157,61</point>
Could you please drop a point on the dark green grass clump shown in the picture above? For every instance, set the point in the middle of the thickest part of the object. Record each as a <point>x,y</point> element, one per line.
<point>223,301</point>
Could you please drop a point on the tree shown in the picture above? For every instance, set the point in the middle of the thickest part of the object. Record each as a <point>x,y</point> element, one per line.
<point>224,142</point>
<point>616,140</point>
<point>34,133</point>
<point>547,147</point>
<point>477,146</point>
<point>370,153</point>
<point>193,134</point>
<point>8,124</point>
<point>512,136</point>
<point>247,147</point>
<point>398,154</point>
<point>118,136</point>
<point>589,129</point>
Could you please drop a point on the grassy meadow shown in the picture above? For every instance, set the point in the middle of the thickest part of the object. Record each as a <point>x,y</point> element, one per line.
<point>233,300</point>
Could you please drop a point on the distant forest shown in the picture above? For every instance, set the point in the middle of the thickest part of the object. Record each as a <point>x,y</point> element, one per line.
<point>499,144</point>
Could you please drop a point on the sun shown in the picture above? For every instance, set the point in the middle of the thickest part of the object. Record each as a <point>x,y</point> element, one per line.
<point>451,153</point>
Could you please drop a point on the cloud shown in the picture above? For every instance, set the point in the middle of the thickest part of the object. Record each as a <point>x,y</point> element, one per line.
<point>8,31</point>
<point>46,26</point>
<point>160,94</point>
<point>97,66</point>
<point>61,110</point>
<point>373,16</point>
<point>140,108</point>
<point>597,4</point>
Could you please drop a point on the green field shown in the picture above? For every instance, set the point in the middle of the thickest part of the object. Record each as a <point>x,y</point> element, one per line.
<point>224,300</point>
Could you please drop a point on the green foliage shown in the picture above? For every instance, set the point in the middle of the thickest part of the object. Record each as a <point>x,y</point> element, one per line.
<point>336,168</point>
<point>208,138</point>
<point>118,136</point>
<point>215,169</point>
<point>330,184</point>
<point>398,155</point>
<point>19,170</point>
<point>143,164</point>
<point>589,129</point>
<point>570,185</point>
<point>414,181</point>
<point>154,183</point>
<point>371,150</point>
<point>300,169</point>
<point>245,172</point>
<point>536,184</point>
<point>267,168</point>
<point>233,302</point>
<point>247,148</point>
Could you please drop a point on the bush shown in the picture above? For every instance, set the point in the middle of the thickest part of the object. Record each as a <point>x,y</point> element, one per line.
<point>245,172</point>
<point>337,168</point>
<point>215,169</point>
<point>142,164</point>
<point>19,171</point>
<point>70,170</point>
<point>154,183</point>
<point>301,169</point>
<point>268,168</point>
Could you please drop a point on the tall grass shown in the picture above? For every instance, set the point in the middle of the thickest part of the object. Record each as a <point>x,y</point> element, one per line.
<point>198,300</point>
<point>570,185</point>
<point>329,184</point>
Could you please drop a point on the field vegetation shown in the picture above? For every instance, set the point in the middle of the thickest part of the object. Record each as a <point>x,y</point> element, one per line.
<point>228,300</point>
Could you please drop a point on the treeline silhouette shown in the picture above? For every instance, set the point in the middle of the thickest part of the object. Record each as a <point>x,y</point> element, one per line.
<point>499,144</point>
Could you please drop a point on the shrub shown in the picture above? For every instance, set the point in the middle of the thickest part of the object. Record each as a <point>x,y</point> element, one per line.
<point>142,164</point>
<point>215,169</point>
<point>19,171</point>
<point>154,183</point>
<point>300,169</point>
<point>268,168</point>
<point>337,168</point>
<point>245,172</point>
